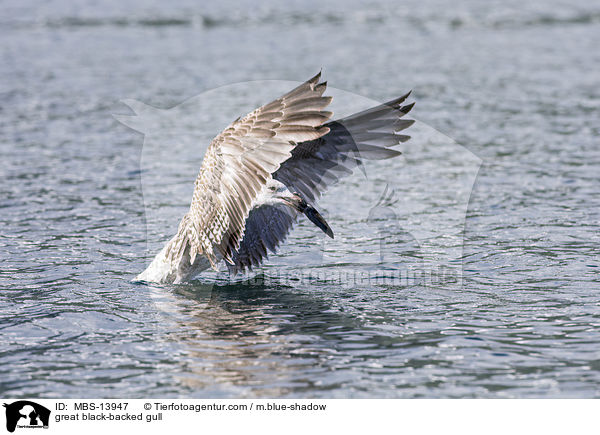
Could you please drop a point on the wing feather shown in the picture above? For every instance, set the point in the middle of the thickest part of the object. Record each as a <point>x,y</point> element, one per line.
<point>238,163</point>
<point>319,163</point>
<point>267,226</point>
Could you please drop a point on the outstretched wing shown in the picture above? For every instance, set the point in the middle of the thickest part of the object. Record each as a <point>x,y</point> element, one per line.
<point>367,135</point>
<point>317,164</point>
<point>238,163</point>
<point>267,227</point>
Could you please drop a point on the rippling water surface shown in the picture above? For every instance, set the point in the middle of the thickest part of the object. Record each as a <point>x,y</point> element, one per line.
<point>516,85</point>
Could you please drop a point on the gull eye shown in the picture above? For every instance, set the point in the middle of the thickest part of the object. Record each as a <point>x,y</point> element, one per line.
<point>272,188</point>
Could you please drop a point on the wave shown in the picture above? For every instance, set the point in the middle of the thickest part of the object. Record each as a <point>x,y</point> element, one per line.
<point>427,21</point>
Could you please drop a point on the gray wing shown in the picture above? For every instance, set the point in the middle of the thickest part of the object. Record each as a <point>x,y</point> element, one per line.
<point>266,227</point>
<point>368,135</point>
<point>316,164</point>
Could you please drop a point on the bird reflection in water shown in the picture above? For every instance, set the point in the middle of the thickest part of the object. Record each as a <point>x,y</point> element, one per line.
<point>235,335</point>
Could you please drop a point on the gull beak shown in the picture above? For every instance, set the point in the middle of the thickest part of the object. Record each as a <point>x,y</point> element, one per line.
<point>298,203</point>
<point>315,217</point>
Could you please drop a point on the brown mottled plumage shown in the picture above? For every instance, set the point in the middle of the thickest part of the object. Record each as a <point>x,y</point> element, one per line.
<point>258,173</point>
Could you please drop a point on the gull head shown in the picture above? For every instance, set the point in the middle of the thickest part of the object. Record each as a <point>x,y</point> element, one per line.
<point>277,192</point>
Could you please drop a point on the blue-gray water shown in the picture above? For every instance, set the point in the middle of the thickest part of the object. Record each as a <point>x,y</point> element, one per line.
<point>515,83</point>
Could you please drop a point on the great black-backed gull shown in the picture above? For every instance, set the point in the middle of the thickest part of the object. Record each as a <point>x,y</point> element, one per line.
<point>264,170</point>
